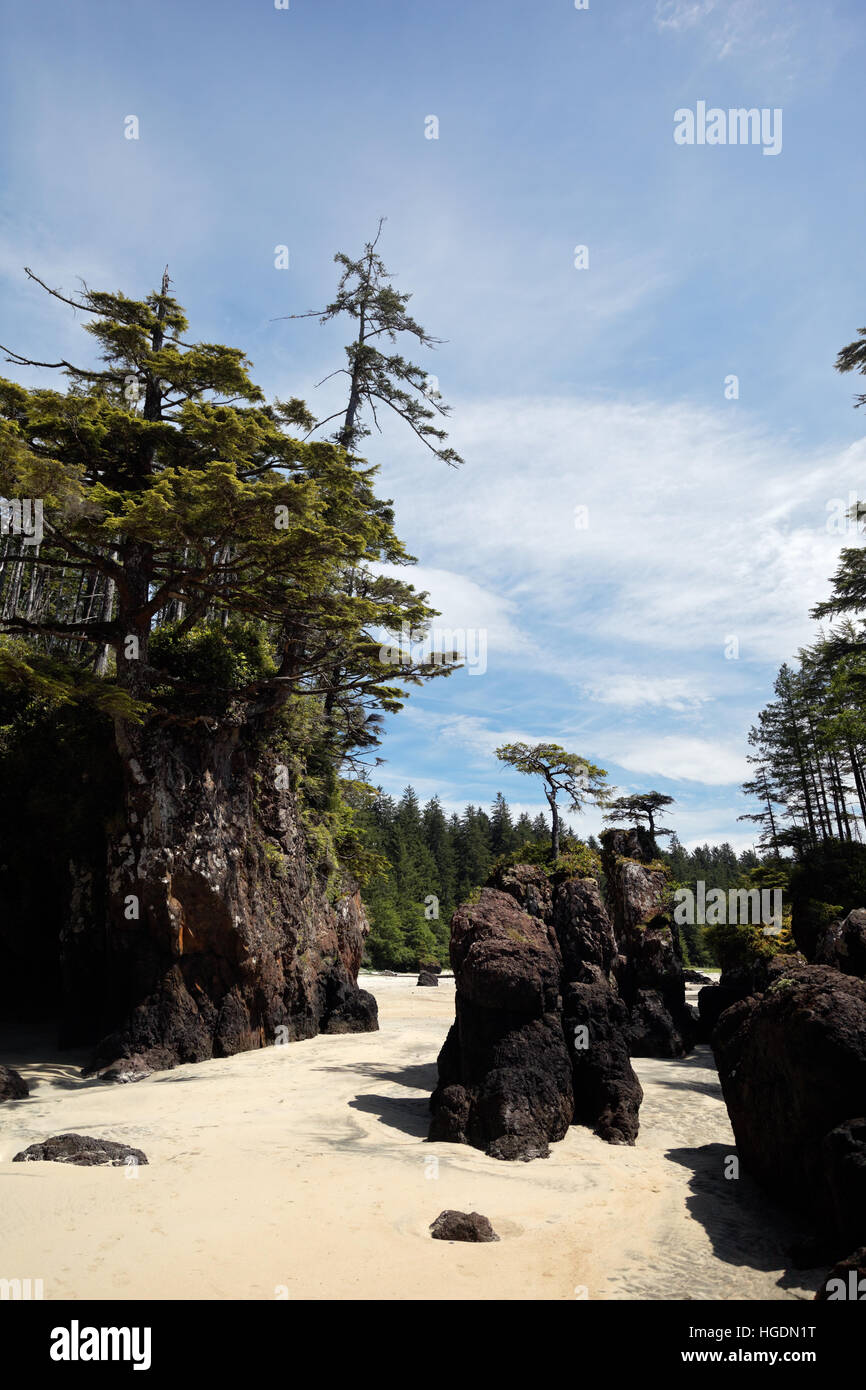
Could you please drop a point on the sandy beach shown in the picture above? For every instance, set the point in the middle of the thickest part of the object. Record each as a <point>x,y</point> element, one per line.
<point>303,1172</point>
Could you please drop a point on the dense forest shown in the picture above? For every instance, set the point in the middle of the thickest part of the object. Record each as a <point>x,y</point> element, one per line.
<point>429,862</point>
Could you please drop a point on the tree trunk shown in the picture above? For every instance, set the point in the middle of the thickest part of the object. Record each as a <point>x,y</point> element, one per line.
<point>554,820</point>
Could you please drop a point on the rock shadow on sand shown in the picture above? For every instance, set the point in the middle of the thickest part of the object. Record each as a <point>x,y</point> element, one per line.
<point>745,1226</point>
<point>411,1117</point>
<point>422,1077</point>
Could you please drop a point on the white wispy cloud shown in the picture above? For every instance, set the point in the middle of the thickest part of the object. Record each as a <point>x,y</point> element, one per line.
<point>679,757</point>
<point>699,526</point>
<point>631,690</point>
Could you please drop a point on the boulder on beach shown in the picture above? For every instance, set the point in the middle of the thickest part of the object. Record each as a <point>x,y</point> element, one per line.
<point>792,1064</point>
<point>12,1086</point>
<point>426,978</point>
<point>462,1225</point>
<point>81,1150</point>
<point>842,944</point>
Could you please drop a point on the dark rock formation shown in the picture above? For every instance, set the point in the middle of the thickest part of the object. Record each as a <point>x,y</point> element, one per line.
<point>12,1086</point>
<point>235,943</point>
<point>80,1149</point>
<point>844,1162</point>
<point>584,930</point>
<point>842,944</point>
<point>462,1225</point>
<point>846,1280</point>
<point>428,979</point>
<point>712,1002</point>
<point>739,982</point>
<point>180,903</point>
<point>607,1093</point>
<point>127,1070</point>
<point>694,977</point>
<point>792,1064</point>
<point>649,964</point>
<point>529,886</point>
<point>540,1036</point>
<point>504,1071</point>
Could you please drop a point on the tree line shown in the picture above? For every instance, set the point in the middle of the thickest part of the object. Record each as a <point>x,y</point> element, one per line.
<point>809,744</point>
<point>427,861</point>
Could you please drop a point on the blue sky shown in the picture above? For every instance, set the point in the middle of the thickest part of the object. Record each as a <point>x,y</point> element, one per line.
<point>601,388</point>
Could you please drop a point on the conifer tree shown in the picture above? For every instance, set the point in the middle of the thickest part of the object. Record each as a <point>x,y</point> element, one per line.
<point>562,773</point>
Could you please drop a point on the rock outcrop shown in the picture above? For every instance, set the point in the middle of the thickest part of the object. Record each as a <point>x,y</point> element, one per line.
<point>232,941</point>
<point>842,944</point>
<point>81,1150</point>
<point>504,1070</point>
<point>696,977</point>
<point>539,1040</point>
<point>607,1093</point>
<point>181,901</point>
<point>739,982</point>
<point>792,1064</point>
<point>649,964</point>
<point>12,1086</point>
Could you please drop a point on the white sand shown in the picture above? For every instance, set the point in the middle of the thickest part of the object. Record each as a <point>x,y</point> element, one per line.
<point>306,1167</point>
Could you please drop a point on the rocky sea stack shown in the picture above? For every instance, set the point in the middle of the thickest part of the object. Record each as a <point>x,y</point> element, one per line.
<point>225,932</point>
<point>553,994</point>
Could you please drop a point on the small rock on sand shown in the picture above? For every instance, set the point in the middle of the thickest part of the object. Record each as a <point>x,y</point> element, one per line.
<point>82,1150</point>
<point>462,1225</point>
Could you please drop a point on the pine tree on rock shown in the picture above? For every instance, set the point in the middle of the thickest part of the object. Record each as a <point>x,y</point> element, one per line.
<point>214,547</point>
<point>562,773</point>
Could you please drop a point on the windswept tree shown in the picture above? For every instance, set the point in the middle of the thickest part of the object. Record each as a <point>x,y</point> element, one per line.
<point>562,774</point>
<point>640,809</point>
<point>376,379</point>
<point>379,379</point>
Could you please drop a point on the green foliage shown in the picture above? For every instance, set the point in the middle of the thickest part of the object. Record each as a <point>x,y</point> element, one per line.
<point>562,773</point>
<point>735,944</point>
<point>834,872</point>
<point>181,508</point>
<point>367,298</point>
<point>575,860</point>
<point>431,863</point>
<point>275,859</point>
<point>219,658</point>
<point>639,810</point>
